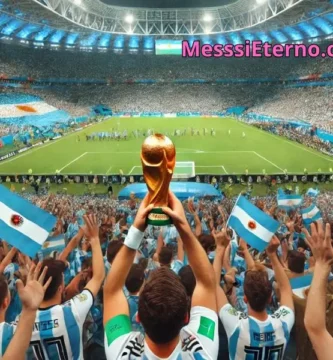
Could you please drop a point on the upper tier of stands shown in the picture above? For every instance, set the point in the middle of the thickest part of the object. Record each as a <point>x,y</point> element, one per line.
<point>45,64</point>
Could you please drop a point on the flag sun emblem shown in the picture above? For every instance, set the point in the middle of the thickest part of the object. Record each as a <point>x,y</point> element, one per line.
<point>16,220</point>
<point>252,225</point>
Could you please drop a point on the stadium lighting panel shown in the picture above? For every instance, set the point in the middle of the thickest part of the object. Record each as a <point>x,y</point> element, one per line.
<point>261,2</point>
<point>207,18</point>
<point>129,18</point>
<point>77,2</point>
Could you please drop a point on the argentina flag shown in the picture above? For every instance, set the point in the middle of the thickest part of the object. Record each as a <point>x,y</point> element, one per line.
<point>253,225</point>
<point>51,245</point>
<point>313,192</point>
<point>22,224</point>
<point>311,214</point>
<point>300,284</point>
<point>288,202</point>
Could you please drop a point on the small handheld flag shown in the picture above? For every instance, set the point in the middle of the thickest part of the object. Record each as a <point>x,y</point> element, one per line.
<point>288,202</point>
<point>253,225</point>
<point>313,192</point>
<point>22,224</point>
<point>52,244</point>
<point>311,214</point>
<point>300,284</point>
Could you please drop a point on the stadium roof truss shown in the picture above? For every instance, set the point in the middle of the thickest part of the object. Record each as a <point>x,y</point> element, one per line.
<point>242,14</point>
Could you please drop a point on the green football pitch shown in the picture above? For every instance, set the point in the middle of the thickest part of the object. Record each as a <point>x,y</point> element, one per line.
<point>220,154</point>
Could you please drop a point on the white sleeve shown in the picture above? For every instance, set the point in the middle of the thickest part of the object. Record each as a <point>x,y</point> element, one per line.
<point>230,318</point>
<point>286,315</point>
<point>204,325</point>
<point>83,303</point>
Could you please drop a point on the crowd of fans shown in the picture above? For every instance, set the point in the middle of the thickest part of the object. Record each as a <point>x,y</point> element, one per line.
<point>46,64</point>
<point>313,105</point>
<point>166,287</point>
<point>6,129</point>
<point>299,134</point>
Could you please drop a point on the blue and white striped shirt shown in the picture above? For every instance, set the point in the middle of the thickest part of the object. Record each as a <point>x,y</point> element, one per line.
<point>57,332</point>
<point>255,339</point>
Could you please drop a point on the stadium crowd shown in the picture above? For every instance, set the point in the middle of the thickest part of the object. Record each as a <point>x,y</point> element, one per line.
<point>45,64</point>
<point>299,135</point>
<point>310,104</point>
<point>160,292</point>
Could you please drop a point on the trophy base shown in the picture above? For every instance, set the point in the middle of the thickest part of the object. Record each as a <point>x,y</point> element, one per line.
<point>158,218</point>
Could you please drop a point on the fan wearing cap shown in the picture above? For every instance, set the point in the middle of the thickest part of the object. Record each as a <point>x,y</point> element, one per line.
<point>57,332</point>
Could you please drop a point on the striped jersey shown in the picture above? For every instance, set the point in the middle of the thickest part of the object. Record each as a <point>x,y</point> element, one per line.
<point>57,332</point>
<point>6,335</point>
<point>255,339</point>
<point>198,340</point>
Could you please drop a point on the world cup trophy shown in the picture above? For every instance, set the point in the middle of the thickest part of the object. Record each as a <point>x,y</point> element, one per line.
<point>158,158</point>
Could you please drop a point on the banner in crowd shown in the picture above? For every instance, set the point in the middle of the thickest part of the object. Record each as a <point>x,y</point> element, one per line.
<point>168,47</point>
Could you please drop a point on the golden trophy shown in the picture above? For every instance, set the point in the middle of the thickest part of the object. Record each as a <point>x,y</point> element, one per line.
<point>158,158</point>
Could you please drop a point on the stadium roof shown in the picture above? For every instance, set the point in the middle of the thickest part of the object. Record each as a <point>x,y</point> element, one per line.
<point>84,15</point>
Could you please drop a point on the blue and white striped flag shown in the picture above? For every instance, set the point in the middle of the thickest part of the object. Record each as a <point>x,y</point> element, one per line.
<point>253,225</point>
<point>52,244</point>
<point>22,224</point>
<point>313,192</point>
<point>288,202</point>
<point>300,284</point>
<point>311,214</point>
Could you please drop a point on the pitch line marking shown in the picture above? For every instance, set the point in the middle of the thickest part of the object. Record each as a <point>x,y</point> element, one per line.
<point>79,157</point>
<point>132,170</point>
<point>51,142</point>
<point>268,161</point>
<point>108,170</point>
<point>225,170</point>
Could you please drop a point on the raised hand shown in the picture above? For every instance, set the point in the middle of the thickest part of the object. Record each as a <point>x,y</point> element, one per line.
<point>91,227</point>
<point>32,294</point>
<point>242,246</point>
<point>175,210</point>
<point>320,243</point>
<point>190,206</point>
<point>140,221</point>
<point>222,238</point>
<point>273,246</point>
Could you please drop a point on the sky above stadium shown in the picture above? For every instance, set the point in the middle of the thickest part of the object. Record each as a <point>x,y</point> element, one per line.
<point>168,3</point>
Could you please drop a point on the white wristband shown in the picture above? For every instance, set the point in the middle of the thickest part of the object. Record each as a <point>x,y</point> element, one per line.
<point>133,238</point>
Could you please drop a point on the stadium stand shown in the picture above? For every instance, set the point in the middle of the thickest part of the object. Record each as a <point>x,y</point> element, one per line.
<point>18,61</point>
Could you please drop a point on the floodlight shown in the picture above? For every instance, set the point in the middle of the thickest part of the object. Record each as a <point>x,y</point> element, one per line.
<point>129,18</point>
<point>207,18</point>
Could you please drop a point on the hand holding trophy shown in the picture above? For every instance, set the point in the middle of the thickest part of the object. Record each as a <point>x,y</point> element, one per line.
<point>158,157</point>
